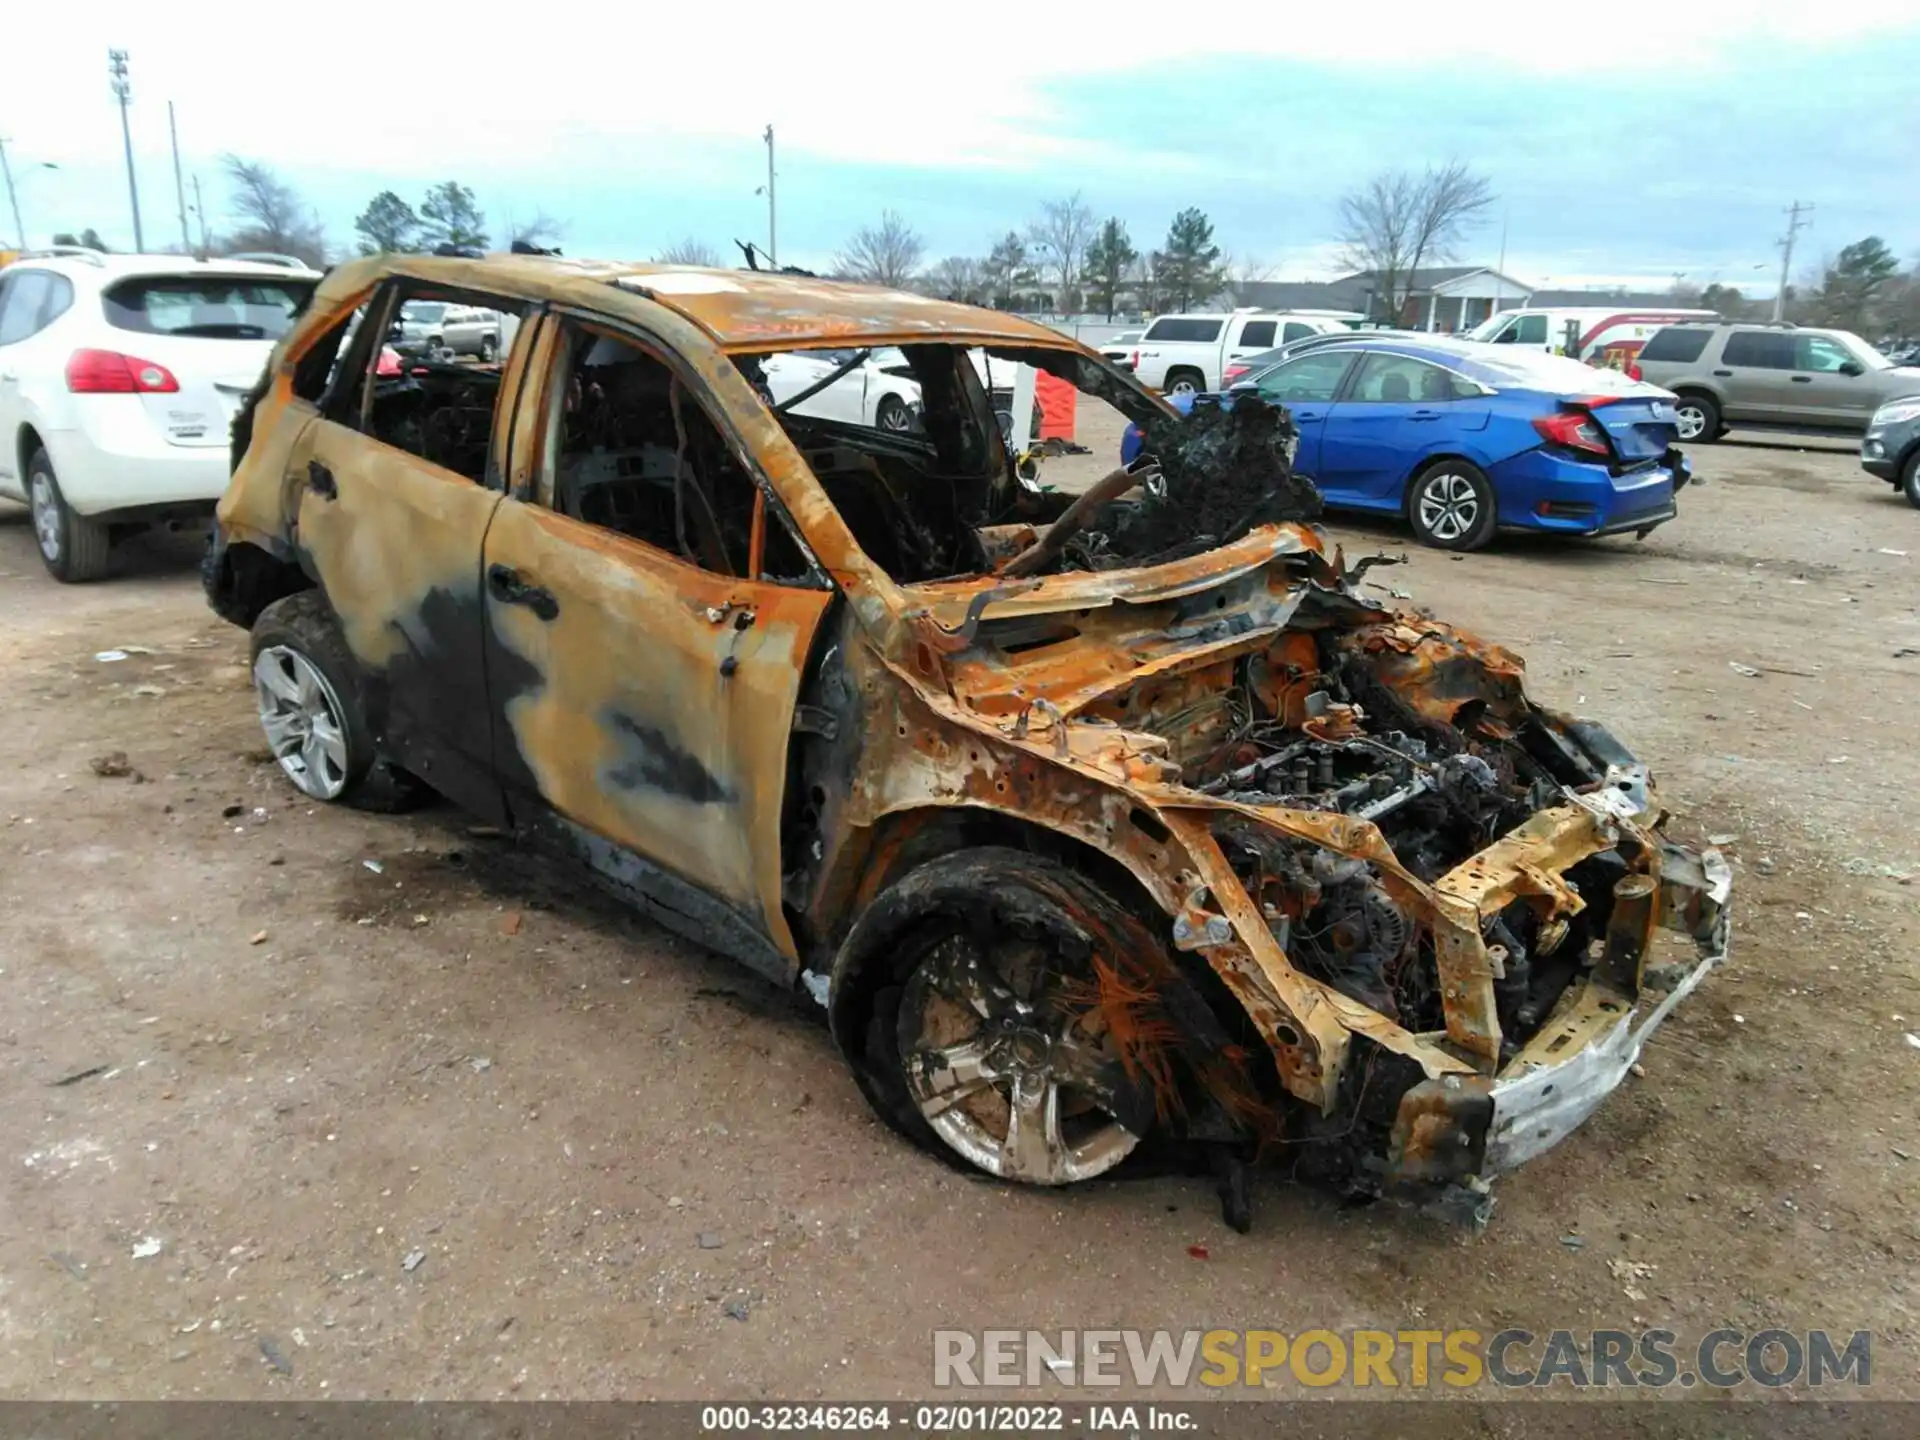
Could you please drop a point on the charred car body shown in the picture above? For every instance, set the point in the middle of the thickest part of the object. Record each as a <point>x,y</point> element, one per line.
<point>1088,819</point>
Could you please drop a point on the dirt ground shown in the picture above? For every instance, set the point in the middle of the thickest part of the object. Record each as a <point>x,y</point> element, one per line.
<point>311,1103</point>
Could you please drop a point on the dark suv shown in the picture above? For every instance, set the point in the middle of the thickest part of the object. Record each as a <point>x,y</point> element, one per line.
<point>1775,377</point>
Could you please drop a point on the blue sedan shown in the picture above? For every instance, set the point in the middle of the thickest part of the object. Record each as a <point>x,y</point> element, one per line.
<point>1462,438</point>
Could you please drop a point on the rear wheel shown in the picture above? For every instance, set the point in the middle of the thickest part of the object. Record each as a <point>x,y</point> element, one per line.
<point>1910,478</point>
<point>74,548</point>
<point>307,688</point>
<point>968,999</point>
<point>489,348</point>
<point>892,414</point>
<point>1184,382</point>
<point>1450,505</point>
<point>1698,418</point>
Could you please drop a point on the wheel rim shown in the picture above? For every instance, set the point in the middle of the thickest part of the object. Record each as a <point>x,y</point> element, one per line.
<point>1449,506</point>
<point>303,719</point>
<point>1692,421</point>
<point>46,516</point>
<point>1013,1083</point>
<point>894,416</point>
<point>1183,386</point>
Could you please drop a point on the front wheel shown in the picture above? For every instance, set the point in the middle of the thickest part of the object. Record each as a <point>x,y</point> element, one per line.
<point>976,1001</point>
<point>1697,418</point>
<point>1451,506</point>
<point>1910,479</point>
<point>489,348</point>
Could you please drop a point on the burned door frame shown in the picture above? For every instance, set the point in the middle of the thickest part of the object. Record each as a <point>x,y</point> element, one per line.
<point>642,704</point>
<point>394,541</point>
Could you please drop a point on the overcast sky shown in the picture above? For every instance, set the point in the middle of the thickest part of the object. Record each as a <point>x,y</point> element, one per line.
<point>1626,140</point>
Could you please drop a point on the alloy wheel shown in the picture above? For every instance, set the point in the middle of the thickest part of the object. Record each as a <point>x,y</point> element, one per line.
<point>304,721</point>
<point>1691,421</point>
<point>1449,506</point>
<point>46,517</point>
<point>1006,1072</point>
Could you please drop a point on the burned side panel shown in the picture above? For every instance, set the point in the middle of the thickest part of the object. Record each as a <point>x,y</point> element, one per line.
<point>656,701</point>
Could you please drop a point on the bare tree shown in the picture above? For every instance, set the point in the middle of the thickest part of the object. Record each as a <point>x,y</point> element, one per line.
<point>884,254</point>
<point>689,251</point>
<point>1398,221</point>
<point>538,229</point>
<point>1060,238</point>
<point>1249,269</point>
<point>959,277</point>
<point>271,214</point>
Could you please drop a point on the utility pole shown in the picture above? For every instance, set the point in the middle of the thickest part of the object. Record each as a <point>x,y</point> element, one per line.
<point>179,187</point>
<point>123,92</point>
<point>12,199</point>
<point>200,216</point>
<point>773,240</point>
<point>1794,225</point>
<point>1500,271</point>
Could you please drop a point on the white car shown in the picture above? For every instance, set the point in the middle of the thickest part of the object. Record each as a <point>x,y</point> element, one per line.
<point>879,392</point>
<point>119,379</point>
<point>1594,333</point>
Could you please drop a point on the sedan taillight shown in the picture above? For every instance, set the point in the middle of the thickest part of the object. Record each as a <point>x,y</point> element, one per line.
<point>1574,430</point>
<point>108,372</point>
<point>1233,373</point>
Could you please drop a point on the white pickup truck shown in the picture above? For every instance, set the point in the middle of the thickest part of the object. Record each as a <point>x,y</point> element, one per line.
<point>1185,354</point>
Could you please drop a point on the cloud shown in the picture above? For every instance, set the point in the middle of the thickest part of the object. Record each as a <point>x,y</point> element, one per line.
<point>1607,140</point>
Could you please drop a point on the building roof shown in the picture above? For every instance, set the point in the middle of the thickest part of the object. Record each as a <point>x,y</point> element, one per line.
<point>1425,278</point>
<point>1283,295</point>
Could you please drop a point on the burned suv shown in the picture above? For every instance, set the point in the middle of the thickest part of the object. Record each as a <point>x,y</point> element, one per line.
<point>1092,820</point>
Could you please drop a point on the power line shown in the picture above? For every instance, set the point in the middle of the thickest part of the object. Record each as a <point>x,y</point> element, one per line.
<point>1794,225</point>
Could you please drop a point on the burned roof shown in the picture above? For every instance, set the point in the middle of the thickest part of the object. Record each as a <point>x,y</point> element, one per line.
<point>744,310</point>
<point>750,309</point>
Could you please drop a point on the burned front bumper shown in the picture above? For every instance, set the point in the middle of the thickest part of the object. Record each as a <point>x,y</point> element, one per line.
<point>1454,1134</point>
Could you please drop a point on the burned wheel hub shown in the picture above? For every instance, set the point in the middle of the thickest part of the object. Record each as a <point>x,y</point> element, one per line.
<point>1007,1072</point>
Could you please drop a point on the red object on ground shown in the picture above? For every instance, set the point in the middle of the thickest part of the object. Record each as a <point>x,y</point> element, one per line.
<point>1198,1252</point>
<point>1056,400</point>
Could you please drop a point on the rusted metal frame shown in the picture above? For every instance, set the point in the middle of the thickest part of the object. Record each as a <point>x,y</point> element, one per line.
<point>688,375</point>
<point>527,476</point>
<point>1329,1014</point>
<point>1527,863</point>
<point>984,676</point>
<point>579,289</point>
<point>931,752</point>
<point>757,535</point>
<point>946,605</point>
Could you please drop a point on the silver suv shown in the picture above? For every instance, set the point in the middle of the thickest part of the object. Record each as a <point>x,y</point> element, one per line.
<point>1777,377</point>
<point>432,326</point>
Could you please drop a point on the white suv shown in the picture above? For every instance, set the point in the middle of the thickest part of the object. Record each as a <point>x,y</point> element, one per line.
<point>119,378</point>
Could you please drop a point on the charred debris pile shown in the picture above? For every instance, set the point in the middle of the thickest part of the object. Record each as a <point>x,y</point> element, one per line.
<point>1207,479</point>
